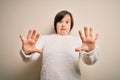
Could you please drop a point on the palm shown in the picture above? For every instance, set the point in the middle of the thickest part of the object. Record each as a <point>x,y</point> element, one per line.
<point>28,44</point>
<point>88,40</point>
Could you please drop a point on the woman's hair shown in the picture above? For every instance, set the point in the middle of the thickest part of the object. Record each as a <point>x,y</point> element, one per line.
<point>59,16</point>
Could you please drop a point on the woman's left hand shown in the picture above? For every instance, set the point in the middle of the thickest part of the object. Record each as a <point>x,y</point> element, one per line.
<point>88,40</point>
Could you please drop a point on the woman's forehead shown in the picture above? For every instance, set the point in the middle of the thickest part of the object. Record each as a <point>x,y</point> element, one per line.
<point>66,17</point>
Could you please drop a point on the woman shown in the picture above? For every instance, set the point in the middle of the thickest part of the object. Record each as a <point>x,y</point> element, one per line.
<point>61,52</point>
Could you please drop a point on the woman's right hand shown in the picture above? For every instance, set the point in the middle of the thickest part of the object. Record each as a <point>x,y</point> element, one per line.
<point>28,44</point>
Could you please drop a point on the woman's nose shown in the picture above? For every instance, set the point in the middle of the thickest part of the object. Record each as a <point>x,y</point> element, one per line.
<point>63,25</point>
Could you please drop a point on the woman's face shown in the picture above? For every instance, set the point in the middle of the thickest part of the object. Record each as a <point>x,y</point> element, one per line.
<point>63,26</point>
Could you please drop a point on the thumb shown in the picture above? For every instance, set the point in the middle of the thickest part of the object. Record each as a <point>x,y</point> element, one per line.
<point>39,51</point>
<point>78,49</point>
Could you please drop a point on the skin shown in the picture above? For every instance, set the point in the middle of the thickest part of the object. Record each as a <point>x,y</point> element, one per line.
<point>88,39</point>
<point>63,28</point>
<point>28,44</point>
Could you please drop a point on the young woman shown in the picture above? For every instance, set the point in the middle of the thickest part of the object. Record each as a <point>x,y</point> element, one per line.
<point>61,51</point>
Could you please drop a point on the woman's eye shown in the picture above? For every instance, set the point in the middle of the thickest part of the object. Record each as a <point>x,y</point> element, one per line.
<point>67,22</point>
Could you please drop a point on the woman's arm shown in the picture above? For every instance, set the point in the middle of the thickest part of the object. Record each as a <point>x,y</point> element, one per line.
<point>89,57</point>
<point>30,57</point>
<point>88,50</point>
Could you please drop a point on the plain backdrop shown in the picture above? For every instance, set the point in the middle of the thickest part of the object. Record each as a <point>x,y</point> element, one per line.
<point>18,16</point>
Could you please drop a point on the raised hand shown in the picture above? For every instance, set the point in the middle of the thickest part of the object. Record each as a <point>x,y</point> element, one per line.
<point>88,40</point>
<point>28,44</point>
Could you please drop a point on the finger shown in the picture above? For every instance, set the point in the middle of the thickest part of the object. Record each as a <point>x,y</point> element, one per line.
<point>37,36</point>
<point>96,36</point>
<point>29,34</point>
<point>91,31</point>
<point>82,36</point>
<point>86,31</point>
<point>33,34</point>
<point>22,38</point>
<point>39,51</point>
<point>79,49</point>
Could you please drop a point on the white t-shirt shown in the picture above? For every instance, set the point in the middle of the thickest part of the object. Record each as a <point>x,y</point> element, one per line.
<point>60,61</point>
